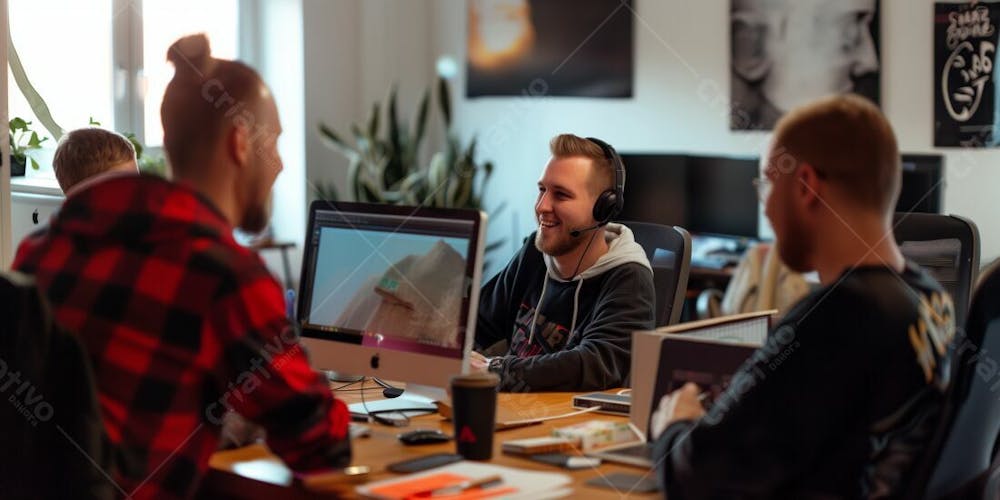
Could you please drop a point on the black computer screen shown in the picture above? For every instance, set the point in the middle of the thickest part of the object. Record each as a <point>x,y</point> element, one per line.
<point>923,184</point>
<point>721,196</point>
<point>703,194</point>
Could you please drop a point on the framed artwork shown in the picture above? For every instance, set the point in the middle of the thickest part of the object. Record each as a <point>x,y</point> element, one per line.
<point>785,53</point>
<point>581,48</point>
<point>965,45</point>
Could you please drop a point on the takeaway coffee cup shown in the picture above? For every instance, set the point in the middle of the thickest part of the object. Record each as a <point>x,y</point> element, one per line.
<point>474,410</point>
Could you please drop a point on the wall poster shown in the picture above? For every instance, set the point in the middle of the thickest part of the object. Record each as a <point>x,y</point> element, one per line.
<point>785,53</point>
<point>581,48</point>
<point>965,104</point>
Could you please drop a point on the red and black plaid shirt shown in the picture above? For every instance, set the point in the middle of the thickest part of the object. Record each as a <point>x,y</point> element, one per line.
<point>180,323</point>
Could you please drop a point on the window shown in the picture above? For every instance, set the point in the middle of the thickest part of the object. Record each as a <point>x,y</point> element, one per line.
<point>101,59</point>
<point>65,49</point>
<point>174,19</point>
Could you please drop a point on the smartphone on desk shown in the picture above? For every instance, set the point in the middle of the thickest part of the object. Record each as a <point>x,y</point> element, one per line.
<point>423,463</point>
<point>333,478</point>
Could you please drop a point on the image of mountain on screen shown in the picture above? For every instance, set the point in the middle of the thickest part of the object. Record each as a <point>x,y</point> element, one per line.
<point>418,298</point>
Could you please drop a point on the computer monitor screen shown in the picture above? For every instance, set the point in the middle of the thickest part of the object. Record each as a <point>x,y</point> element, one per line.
<point>655,189</point>
<point>391,291</point>
<point>703,194</point>
<point>721,196</point>
<point>922,186</point>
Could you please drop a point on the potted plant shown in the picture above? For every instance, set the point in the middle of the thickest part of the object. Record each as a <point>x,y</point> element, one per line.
<point>386,168</point>
<point>23,140</point>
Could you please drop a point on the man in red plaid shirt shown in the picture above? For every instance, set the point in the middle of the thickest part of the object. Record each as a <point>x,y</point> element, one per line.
<point>182,323</point>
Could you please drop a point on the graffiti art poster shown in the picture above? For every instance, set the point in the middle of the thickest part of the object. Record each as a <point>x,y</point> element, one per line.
<point>965,47</point>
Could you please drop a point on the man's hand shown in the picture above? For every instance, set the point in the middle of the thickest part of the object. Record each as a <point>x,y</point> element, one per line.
<point>682,404</point>
<point>478,363</point>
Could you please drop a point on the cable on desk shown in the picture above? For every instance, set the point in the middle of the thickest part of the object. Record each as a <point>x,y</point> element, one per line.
<point>376,417</point>
<point>553,417</point>
<point>340,388</point>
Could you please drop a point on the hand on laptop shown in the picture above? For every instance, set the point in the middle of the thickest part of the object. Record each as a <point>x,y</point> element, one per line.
<point>682,404</point>
<point>478,363</point>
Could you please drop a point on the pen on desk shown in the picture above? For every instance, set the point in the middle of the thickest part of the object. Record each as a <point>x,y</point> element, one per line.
<point>457,488</point>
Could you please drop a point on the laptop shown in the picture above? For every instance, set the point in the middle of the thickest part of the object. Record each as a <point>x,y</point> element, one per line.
<point>676,359</point>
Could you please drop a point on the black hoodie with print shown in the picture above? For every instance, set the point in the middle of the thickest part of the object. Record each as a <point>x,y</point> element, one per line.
<point>583,326</point>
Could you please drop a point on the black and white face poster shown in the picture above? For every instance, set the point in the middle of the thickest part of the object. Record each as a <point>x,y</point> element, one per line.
<point>965,46</point>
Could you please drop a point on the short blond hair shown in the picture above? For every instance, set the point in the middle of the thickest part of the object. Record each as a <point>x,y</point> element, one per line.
<point>86,152</point>
<point>847,139</point>
<point>568,145</point>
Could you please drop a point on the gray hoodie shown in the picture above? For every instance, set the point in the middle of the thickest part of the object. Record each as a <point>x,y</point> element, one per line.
<point>554,334</point>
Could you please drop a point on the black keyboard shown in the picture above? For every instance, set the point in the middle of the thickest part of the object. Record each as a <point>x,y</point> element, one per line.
<point>643,450</point>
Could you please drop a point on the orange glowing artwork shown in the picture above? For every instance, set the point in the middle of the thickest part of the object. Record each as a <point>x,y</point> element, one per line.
<point>500,32</point>
<point>580,48</point>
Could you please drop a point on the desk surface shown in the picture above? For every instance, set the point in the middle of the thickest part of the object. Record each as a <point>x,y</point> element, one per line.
<point>383,448</point>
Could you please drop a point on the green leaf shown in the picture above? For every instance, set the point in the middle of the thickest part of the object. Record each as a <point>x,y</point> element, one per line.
<point>325,191</point>
<point>420,125</point>
<point>373,121</point>
<point>34,164</point>
<point>139,148</point>
<point>34,142</point>
<point>94,123</point>
<point>18,124</point>
<point>397,165</point>
<point>444,100</point>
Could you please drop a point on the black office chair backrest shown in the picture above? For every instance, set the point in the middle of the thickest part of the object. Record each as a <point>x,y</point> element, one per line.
<point>50,427</point>
<point>947,246</point>
<point>965,445</point>
<point>668,249</point>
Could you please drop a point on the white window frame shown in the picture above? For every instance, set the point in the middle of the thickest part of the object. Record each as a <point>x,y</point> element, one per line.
<point>128,65</point>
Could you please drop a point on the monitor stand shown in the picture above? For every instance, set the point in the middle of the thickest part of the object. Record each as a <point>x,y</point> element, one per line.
<point>415,400</point>
<point>334,376</point>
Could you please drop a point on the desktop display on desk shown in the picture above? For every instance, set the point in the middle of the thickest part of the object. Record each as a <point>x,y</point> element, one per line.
<point>391,291</point>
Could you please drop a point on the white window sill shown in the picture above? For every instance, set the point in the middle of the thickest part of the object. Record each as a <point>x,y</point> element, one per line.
<point>35,185</point>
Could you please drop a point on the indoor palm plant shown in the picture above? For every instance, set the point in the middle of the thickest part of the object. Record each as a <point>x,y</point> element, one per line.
<point>385,162</point>
<point>386,168</point>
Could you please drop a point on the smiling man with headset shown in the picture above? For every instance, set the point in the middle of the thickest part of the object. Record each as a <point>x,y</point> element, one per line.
<point>559,317</point>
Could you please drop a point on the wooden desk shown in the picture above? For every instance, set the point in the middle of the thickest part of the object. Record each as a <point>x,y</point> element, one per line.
<point>228,476</point>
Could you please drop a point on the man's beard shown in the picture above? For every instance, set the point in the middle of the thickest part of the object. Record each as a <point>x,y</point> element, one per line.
<point>256,216</point>
<point>796,246</point>
<point>559,245</point>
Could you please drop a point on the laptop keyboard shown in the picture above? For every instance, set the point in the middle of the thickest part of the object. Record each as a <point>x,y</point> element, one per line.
<point>642,450</point>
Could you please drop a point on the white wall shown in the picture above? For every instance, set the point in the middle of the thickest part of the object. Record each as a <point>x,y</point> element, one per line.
<point>279,58</point>
<point>681,103</point>
<point>354,51</point>
<point>680,96</point>
<point>6,246</point>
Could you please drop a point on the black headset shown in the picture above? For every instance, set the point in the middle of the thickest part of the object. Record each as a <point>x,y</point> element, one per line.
<point>610,202</point>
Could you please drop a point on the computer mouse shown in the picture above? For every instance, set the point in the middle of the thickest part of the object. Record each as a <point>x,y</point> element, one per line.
<point>423,436</point>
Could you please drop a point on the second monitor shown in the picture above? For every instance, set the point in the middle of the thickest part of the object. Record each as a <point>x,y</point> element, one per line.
<point>711,195</point>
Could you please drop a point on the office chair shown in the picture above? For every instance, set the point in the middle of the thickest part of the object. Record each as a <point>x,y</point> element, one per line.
<point>53,435</point>
<point>962,460</point>
<point>668,249</point>
<point>947,246</point>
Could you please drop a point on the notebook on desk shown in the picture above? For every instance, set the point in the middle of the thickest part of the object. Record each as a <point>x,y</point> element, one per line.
<point>675,359</point>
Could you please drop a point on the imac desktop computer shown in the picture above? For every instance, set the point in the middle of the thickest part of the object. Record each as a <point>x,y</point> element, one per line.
<point>391,292</point>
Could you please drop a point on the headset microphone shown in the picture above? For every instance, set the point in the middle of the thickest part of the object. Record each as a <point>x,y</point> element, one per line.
<point>577,232</point>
